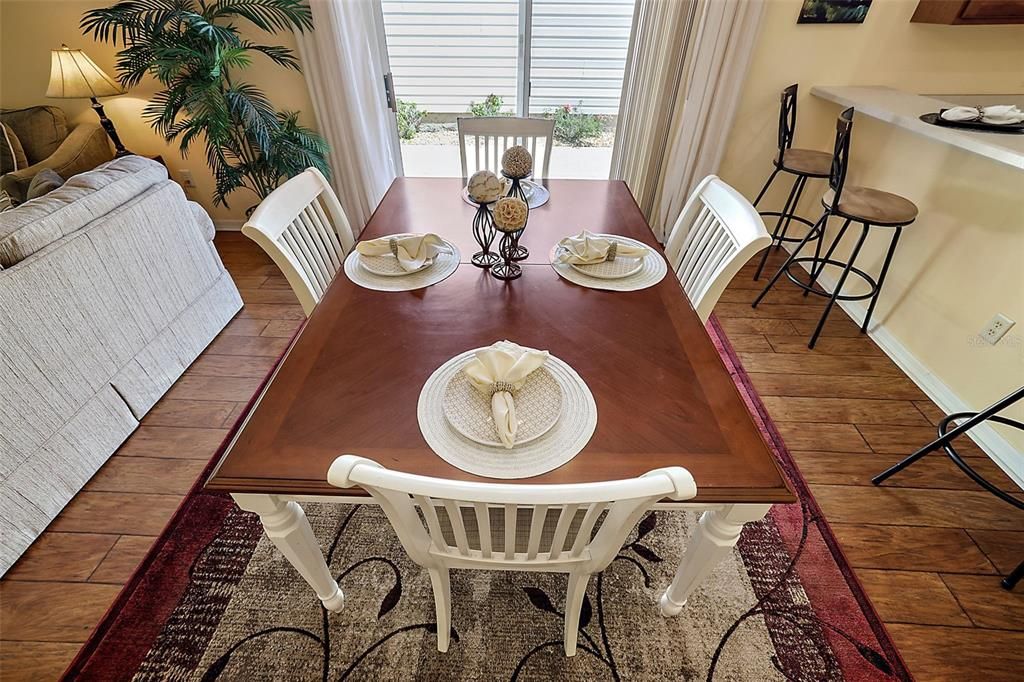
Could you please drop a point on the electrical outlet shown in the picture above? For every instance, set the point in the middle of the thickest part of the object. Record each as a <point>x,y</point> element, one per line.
<point>997,328</point>
<point>187,183</point>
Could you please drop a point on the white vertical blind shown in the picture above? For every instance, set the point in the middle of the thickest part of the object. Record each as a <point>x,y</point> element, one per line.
<point>445,53</point>
<point>579,53</point>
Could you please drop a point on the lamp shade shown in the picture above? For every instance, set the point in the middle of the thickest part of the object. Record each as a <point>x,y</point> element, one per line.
<point>74,75</point>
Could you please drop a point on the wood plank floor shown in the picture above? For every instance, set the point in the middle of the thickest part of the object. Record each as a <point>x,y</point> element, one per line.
<point>928,547</point>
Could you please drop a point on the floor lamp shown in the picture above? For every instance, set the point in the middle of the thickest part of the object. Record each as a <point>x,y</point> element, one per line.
<point>73,76</point>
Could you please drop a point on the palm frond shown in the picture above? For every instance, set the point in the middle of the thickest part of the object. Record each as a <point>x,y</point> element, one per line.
<point>254,112</point>
<point>282,56</point>
<point>269,15</point>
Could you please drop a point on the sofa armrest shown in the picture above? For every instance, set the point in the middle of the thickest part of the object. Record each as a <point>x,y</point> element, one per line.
<point>203,220</point>
<point>85,148</point>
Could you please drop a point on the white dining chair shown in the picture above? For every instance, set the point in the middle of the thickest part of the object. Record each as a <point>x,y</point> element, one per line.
<point>487,137</point>
<point>717,232</point>
<point>302,227</point>
<point>575,529</point>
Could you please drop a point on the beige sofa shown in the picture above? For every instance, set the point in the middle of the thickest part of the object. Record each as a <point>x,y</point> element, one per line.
<point>42,133</point>
<point>110,287</point>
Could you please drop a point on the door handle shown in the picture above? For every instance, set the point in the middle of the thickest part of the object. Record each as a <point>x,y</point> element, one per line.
<point>389,92</point>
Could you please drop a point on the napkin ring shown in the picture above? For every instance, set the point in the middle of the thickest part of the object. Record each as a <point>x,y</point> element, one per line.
<point>393,245</point>
<point>613,250</point>
<point>502,387</point>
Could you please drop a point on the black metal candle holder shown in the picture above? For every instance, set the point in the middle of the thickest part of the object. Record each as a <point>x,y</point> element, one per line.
<point>508,248</point>
<point>483,233</point>
<point>516,190</point>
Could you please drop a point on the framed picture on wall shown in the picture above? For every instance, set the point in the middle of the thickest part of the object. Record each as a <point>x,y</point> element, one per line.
<point>833,11</point>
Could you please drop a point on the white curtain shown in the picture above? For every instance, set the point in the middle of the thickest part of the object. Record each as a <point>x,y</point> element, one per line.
<point>699,105</point>
<point>344,67</point>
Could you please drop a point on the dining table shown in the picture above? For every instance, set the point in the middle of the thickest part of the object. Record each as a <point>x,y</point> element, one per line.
<point>351,378</point>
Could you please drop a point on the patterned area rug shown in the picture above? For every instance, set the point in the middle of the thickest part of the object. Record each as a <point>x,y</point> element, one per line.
<point>215,600</point>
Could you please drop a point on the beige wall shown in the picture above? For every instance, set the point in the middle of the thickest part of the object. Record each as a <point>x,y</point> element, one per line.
<point>29,29</point>
<point>963,260</point>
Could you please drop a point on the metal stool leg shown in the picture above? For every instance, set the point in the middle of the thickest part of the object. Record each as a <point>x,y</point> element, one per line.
<point>1010,581</point>
<point>881,278</point>
<point>942,441</point>
<point>792,212</point>
<point>764,189</point>
<point>816,269</point>
<point>786,210</point>
<point>775,278</point>
<point>839,285</point>
<point>817,254</point>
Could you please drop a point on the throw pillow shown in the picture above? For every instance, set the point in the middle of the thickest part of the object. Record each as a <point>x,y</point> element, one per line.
<point>44,181</point>
<point>12,154</point>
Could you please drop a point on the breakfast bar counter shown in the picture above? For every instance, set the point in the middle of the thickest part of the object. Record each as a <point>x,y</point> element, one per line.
<point>904,109</point>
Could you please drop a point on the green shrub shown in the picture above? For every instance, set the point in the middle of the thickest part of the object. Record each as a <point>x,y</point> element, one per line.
<point>409,118</point>
<point>491,106</point>
<point>574,127</point>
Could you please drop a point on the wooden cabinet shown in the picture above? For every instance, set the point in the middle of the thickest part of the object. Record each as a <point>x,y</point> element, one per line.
<point>965,12</point>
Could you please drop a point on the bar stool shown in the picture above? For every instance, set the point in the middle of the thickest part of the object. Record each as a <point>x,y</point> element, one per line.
<point>801,163</point>
<point>870,208</point>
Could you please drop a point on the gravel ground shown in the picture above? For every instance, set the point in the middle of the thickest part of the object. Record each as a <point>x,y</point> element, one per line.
<point>440,133</point>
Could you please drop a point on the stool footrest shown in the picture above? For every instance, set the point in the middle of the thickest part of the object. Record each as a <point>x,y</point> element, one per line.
<point>815,263</point>
<point>780,214</point>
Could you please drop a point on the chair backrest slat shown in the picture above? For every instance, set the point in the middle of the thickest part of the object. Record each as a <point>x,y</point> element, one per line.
<point>454,512</point>
<point>716,233</point>
<point>303,228</point>
<point>540,515</point>
<point>586,529</point>
<point>510,531</point>
<point>483,525</point>
<point>490,136</point>
<point>565,520</point>
<point>469,535</point>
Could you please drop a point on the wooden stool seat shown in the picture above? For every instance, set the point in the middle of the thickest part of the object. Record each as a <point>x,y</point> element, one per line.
<point>873,206</point>
<point>806,162</point>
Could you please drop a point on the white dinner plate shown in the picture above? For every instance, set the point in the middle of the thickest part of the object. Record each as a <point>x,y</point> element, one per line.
<point>538,407</point>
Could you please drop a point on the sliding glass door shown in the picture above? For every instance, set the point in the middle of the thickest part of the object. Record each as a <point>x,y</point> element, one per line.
<point>556,58</point>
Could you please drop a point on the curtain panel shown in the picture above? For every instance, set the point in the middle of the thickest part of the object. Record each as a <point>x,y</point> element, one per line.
<point>687,63</point>
<point>343,66</point>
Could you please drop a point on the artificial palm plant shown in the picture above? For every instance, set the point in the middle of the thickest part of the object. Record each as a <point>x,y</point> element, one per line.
<point>192,48</point>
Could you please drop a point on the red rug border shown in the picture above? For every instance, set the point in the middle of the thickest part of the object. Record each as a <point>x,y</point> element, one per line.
<point>794,474</point>
<point>796,478</point>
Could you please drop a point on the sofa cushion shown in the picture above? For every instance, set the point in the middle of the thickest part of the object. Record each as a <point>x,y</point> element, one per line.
<point>12,154</point>
<point>40,129</point>
<point>83,198</point>
<point>44,182</point>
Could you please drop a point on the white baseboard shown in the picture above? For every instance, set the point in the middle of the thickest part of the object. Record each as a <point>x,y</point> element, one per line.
<point>228,225</point>
<point>986,437</point>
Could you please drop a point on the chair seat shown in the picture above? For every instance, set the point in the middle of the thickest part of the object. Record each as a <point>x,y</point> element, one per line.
<point>872,206</point>
<point>806,162</point>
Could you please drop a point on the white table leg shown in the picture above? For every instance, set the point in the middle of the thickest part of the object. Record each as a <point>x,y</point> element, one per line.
<point>287,527</point>
<point>716,535</point>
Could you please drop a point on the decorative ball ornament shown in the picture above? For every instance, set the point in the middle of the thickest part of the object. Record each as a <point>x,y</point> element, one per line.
<point>517,162</point>
<point>485,187</point>
<point>510,214</point>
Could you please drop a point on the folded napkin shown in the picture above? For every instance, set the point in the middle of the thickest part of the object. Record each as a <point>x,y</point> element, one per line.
<point>411,250</point>
<point>587,248</point>
<point>498,371</point>
<point>998,114</point>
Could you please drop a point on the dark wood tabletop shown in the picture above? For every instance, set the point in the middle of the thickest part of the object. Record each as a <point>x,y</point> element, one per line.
<point>351,380</point>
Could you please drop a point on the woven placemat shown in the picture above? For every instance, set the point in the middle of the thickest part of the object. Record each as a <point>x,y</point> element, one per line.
<point>444,265</point>
<point>653,270</point>
<point>556,447</point>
